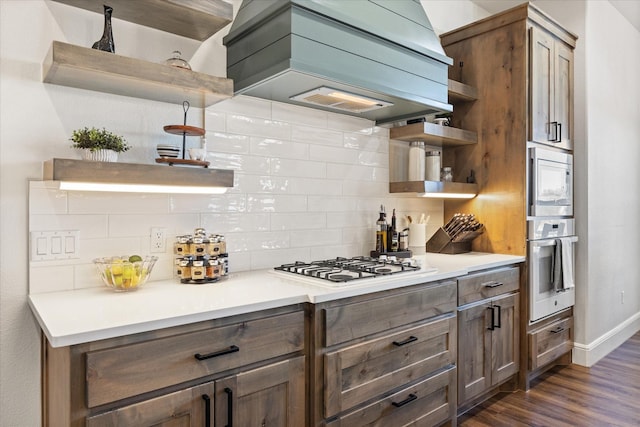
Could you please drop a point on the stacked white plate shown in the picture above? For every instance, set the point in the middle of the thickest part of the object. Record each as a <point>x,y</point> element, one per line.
<point>170,151</point>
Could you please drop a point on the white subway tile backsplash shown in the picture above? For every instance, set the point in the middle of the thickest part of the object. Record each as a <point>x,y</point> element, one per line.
<point>276,203</point>
<point>50,279</point>
<point>310,238</point>
<point>89,226</point>
<point>218,142</point>
<point>244,105</point>
<point>298,221</point>
<point>229,202</point>
<point>308,185</point>
<point>256,126</point>
<point>83,202</point>
<point>346,123</point>
<point>234,223</point>
<point>316,135</point>
<point>271,147</point>
<point>300,115</point>
<point>46,200</point>
<point>333,154</point>
<point>298,168</point>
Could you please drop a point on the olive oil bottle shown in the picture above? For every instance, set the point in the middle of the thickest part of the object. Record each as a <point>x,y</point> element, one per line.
<point>381,231</point>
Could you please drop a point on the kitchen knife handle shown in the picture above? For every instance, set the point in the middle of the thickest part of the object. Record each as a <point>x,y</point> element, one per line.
<point>409,399</point>
<point>231,349</point>
<point>499,325</point>
<point>493,284</point>
<point>407,341</point>
<point>557,330</point>
<point>207,410</point>
<point>493,313</point>
<point>229,406</point>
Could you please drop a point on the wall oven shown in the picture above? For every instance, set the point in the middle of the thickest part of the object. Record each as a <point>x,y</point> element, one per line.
<point>551,266</point>
<point>550,183</point>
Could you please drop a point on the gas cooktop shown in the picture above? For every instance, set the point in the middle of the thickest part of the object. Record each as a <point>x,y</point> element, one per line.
<point>341,270</point>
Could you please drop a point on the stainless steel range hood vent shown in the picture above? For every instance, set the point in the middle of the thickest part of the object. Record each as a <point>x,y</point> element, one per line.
<point>382,55</point>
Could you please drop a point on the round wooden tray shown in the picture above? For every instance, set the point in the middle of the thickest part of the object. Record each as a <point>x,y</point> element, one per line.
<point>175,161</point>
<point>184,130</point>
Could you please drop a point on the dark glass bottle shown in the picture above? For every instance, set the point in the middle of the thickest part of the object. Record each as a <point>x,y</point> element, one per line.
<point>106,42</point>
<point>381,232</point>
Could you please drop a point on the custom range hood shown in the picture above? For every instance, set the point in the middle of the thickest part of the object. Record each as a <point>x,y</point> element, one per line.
<point>376,59</point>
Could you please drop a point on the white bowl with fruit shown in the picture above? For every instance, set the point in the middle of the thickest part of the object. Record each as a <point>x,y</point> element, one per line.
<point>125,273</point>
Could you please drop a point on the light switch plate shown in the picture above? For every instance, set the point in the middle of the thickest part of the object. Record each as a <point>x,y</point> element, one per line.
<point>54,245</point>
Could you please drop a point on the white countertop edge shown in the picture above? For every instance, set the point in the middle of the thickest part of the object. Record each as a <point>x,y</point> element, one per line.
<point>168,304</point>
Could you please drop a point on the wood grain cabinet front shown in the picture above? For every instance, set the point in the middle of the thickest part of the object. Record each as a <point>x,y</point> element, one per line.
<point>550,342</point>
<point>187,375</point>
<point>384,359</point>
<point>488,337</point>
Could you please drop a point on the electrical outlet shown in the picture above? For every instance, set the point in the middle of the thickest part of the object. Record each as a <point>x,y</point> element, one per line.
<point>158,240</point>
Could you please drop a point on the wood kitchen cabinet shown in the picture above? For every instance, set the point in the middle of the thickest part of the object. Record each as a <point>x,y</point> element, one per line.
<point>551,89</point>
<point>521,61</point>
<point>386,358</point>
<point>251,368</point>
<point>488,332</point>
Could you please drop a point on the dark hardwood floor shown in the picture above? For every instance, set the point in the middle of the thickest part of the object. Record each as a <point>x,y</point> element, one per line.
<point>607,394</point>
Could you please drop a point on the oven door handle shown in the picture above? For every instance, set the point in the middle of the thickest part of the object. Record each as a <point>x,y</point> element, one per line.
<point>550,242</point>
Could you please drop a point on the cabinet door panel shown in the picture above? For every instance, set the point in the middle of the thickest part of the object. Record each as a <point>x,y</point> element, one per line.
<point>563,93</point>
<point>505,339</point>
<point>185,408</point>
<point>365,370</point>
<point>550,342</point>
<point>474,351</point>
<point>273,395</point>
<point>541,84</point>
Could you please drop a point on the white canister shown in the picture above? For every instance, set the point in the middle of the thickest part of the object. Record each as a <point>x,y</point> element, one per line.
<point>432,166</point>
<point>416,161</point>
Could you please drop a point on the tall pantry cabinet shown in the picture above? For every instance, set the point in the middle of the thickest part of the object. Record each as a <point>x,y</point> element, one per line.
<point>521,62</point>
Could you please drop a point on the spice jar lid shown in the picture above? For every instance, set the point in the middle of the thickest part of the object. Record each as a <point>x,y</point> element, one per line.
<point>432,153</point>
<point>416,144</point>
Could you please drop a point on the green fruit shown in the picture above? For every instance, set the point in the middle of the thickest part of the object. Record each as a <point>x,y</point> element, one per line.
<point>135,258</point>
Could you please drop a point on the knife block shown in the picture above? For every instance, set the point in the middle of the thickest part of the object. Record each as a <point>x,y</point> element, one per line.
<point>441,242</point>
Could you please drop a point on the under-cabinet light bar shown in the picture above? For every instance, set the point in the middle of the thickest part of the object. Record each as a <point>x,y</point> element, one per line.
<point>447,195</point>
<point>138,188</point>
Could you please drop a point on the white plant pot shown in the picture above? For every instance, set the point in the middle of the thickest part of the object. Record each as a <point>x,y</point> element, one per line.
<point>100,155</point>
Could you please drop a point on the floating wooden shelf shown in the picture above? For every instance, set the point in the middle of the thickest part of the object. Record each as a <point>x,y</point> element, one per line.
<point>435,188</point>
<point>433,134</point>
<point>195,19</point>
<point>134,173</point>
<point>85,68</point>
<point>460,92</point>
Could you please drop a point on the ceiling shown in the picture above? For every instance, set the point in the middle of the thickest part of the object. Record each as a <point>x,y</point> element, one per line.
<point>630,9</point>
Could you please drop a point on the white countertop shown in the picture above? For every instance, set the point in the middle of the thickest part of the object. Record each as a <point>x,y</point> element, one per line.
<point>74,317</point>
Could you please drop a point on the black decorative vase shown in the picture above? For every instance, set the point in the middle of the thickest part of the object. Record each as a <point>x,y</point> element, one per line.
<point>106,42</point>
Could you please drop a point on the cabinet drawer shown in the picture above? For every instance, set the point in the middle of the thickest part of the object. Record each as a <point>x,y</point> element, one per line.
<point>426,403</point>
<point>476,287</point>
<point>550,342</point>
<point>346,322</point>
<point>355,374</point>
<point>129,370</point>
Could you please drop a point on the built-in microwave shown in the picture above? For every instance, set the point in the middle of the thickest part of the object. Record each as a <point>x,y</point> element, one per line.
<point>550,183</point>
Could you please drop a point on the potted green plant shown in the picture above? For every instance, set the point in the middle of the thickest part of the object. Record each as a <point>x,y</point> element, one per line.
<point>98,144</point>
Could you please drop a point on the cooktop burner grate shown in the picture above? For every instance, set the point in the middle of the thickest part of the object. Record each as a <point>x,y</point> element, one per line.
<point>348,269</point>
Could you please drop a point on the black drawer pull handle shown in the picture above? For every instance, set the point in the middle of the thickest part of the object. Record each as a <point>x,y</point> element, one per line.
<point>409,399</point>
<point>207,410</point>
<point>559,133</point>
<point>493,284</point>
<point>229,406</point>
<point>232,349</point>
<point>499,325</point>
<point>407,341</point>
<point>557,330</point>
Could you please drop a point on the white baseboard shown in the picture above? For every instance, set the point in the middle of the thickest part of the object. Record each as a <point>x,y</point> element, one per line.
<point>589,354</point>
